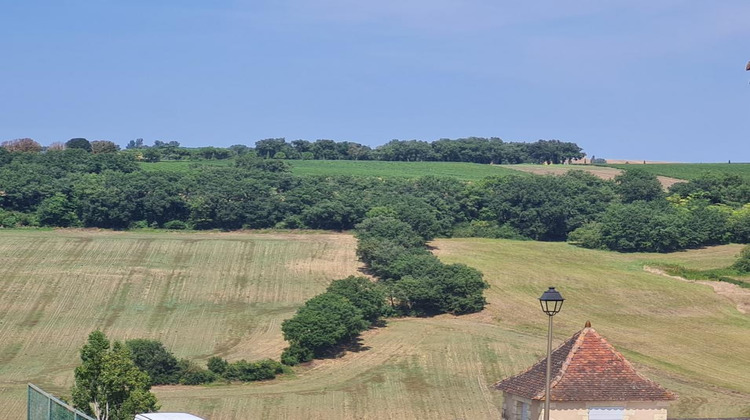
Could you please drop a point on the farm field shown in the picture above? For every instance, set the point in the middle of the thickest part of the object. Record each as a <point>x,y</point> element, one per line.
<point>668,174</point>
<point>690,170</point>
<point>460,170</point>
<point>226,294</point>
<point>182,166</point>
<point>200,294</point>
<point>603,172</point>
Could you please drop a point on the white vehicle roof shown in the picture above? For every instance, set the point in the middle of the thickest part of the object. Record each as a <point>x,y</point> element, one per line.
<point>166,416</point>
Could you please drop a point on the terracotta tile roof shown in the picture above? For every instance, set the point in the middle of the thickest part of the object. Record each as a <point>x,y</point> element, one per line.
<point>585,368</point>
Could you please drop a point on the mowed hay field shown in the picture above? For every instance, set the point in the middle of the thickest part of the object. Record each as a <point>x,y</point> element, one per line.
<point>226,294</point>
<point>200,294</point>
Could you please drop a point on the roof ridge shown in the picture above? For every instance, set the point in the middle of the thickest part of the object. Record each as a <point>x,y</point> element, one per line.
<point>585,366</point>
<point>568,359</point>
<point>576,338</point>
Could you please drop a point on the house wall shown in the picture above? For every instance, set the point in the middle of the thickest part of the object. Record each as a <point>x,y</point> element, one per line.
<point>634,410</point>
<point>510,403</point>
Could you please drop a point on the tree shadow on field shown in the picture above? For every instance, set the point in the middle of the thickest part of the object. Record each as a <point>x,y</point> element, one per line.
<point>354,345</point>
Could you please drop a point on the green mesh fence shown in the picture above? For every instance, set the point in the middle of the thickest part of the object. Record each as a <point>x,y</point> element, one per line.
<point>44,406</point>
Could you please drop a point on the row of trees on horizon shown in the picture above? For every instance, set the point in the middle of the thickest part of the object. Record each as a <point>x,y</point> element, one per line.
<point>472,149</point>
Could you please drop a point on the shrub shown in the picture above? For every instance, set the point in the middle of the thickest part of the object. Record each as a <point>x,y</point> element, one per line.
<point>151,357</point>
<point>743,262</point>
<point>324,322</point>
<point>57,210</point>
<point>175,225</point>
<point>296,354</point>
<point>218,365</point>
<point>139,224</point>
<point>192,374</point>
<point>486,229</point>
<point>243,370</point>
<point>587,236</point>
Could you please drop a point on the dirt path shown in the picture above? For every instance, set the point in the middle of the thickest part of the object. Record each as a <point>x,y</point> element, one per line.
<point>736,294</point>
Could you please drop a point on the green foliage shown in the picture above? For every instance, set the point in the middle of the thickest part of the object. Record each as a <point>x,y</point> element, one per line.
<point>329,214</point>
<point>644,226</point>
<point>389,228</point>
<point>454,288</point>
<point>151,154</point>
<point>192,374</point>
<point>176,225</point>
<point>367,296</point>
<point>296,354</point>
<point>104,146</point>
<point>57,210</point>
<point>253,371</point>
<point>638,185</point>
<point>743,261</point>
<point>587,236</point>
<point>323,322</point>
<point>78,143</point>
<point>108,384</point>
<point>486,229</point>
<point>717,188</point>
<point>217,365</point>
<point>5,156</point>
<point>151,357</point>
<point>249,161</point>
<point>541,207</point>
<point>11,219</point>
<point>738,224</point>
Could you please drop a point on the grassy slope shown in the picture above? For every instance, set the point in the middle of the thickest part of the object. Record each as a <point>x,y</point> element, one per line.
<point>690,170</point>
<point>201,294</point>
<point>226,294</point>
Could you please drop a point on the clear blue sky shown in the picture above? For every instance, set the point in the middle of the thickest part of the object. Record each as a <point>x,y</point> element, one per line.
<point>635,79</point>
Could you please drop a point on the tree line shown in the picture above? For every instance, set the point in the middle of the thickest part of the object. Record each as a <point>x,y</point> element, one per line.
<point>630,213</point>
<point>472,149</point>
<point>114,379</point>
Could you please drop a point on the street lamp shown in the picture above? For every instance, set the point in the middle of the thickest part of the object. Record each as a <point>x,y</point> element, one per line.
<point>551,302</point>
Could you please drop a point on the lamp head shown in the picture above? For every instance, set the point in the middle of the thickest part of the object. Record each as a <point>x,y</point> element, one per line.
<point>551,301</point>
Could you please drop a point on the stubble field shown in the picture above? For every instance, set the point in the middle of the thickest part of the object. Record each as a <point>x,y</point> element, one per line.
<point>226,294</point>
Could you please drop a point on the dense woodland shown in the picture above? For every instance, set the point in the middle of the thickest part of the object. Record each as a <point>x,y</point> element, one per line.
<point>77,187</point>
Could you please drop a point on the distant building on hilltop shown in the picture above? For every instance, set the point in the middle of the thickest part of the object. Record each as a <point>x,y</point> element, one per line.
<point>590,380</point>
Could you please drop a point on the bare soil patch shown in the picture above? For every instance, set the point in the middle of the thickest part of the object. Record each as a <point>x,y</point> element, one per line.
<point>602,172</point>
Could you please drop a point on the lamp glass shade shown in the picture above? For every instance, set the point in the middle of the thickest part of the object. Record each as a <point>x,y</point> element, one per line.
<point>551,301</point>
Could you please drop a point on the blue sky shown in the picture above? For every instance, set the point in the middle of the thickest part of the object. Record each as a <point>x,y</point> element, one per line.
<point>631,79</point>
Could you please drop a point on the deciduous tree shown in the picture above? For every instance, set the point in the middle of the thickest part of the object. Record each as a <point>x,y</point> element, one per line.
<point>108,385</point>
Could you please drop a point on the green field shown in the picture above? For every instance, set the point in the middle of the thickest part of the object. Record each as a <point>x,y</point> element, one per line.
<point>182,166</point>
<point>226,294</point>
<point>460,170</point>
<point>690,170</point>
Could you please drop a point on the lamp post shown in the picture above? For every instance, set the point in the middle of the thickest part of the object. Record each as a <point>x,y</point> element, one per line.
<point>551,302</point>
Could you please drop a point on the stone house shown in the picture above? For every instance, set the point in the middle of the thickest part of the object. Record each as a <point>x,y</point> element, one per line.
<point>590,380</point>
